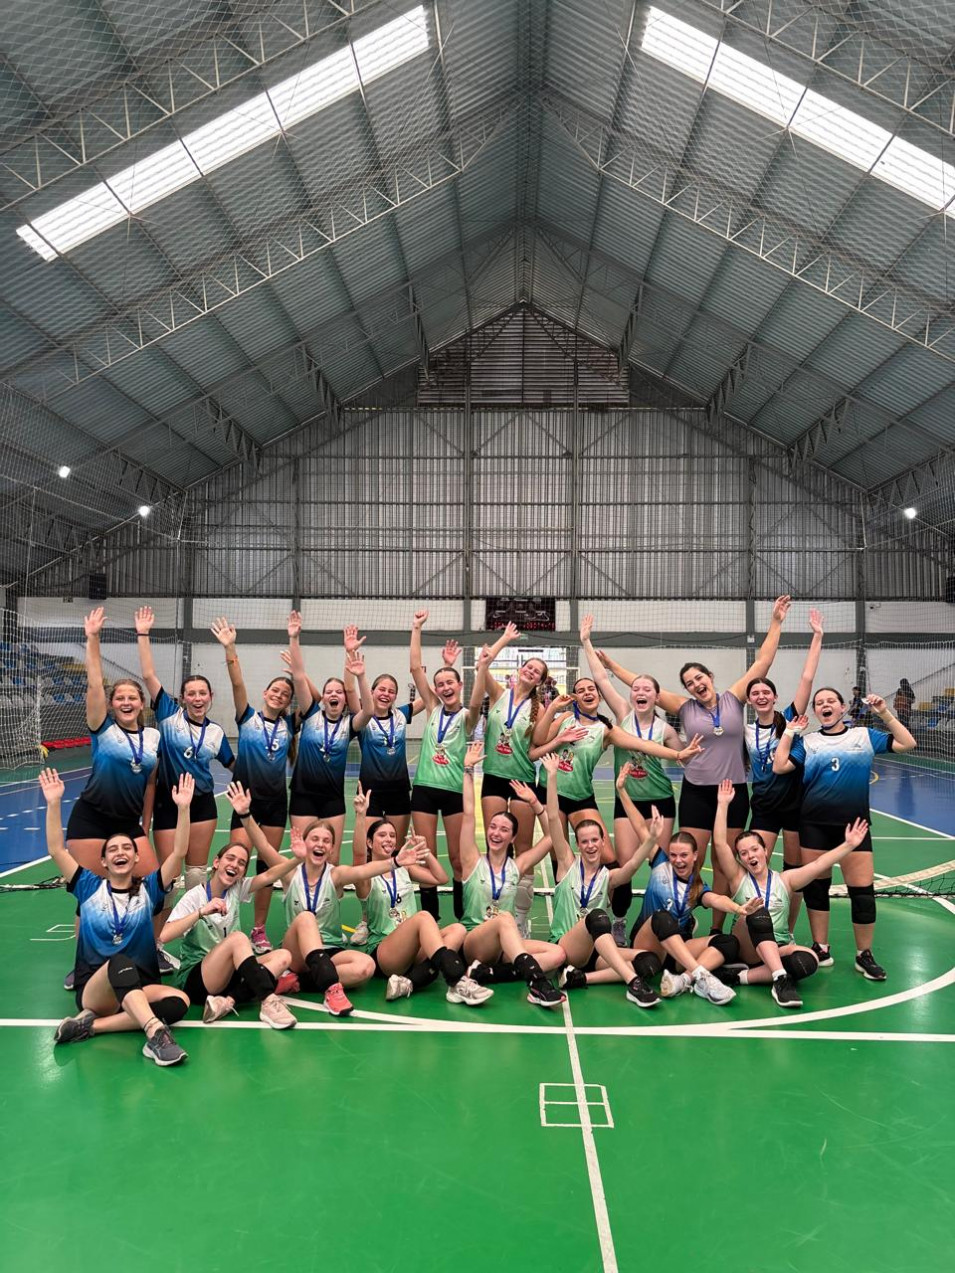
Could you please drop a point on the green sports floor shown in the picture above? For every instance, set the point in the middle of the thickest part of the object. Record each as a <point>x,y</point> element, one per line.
<point>424,1136</point>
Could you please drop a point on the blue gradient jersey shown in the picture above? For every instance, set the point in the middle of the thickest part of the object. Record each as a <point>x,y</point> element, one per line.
<point>123,763</point>
<point>186,746</point>
<point>322,751</point>
<point>667,892</point>
<point>263,752</point>
<point>384,757</point>
<point>770,790</point>
<point>836,772</point>
<point>112,922</point>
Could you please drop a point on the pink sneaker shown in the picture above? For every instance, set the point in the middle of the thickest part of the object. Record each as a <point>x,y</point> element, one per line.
<point>287,984</point>
<point>337,1002</point>
<point>259,939</point>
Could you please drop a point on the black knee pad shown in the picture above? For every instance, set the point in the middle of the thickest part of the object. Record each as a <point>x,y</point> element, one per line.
<point>646,964</point>
<point>800,964</point>
<point>621,899</point>
<point>862,903</point>
<point>816,894</point>
<point>760,927</point>
<point>597,924</point>
<point>123,976</point>
<point>256,978</point>
<point>727,945</point>
<point>170,1009</point>
<point>663,925</point>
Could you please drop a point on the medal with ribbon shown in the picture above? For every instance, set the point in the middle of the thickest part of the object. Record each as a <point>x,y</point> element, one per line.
<point>194,745</point>
<point>136,764</point>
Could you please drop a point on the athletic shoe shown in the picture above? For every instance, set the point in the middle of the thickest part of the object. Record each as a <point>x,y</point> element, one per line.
<point>69,981</point>
<point>785,992</point>
<point>618,931</point>
<point>707,987</point>
<point>481,973</point>
<point>545,995</point>
<point>337,1002</point>
<point>524,926</point>
<point>468,992</point>
<point>641,994</point>
<point>274,1013</point>
<point>572,978</point>
<point>673,984</point>
<point>868,967</point>
<point>167,963</point>
<point>75,1029</point>
<point>216,1007</point>
<point>260,942</point>
<point>728,975</point>
<point>163,1048</point>
<point>360,935</point>
<point>287,984</point>
<point>398,988</point>
<point>823,954</point>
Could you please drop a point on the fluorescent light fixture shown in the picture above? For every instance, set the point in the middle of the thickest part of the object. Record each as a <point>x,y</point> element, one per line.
<point>910,513</point>
<point>64,470</point>
<point>260,119</point>
<point>802,111</point>
<point>144,510</point>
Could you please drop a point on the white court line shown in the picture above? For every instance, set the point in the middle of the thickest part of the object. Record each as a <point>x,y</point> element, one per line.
<point>921,825</point>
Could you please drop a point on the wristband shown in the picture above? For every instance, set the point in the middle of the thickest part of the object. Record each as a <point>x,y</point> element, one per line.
<point>790,733</point>
<point>242,816</point>
<point>469,769</point>
<point>539,812</point>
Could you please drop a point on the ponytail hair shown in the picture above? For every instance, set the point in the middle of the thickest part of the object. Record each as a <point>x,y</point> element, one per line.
<point>699,885</point>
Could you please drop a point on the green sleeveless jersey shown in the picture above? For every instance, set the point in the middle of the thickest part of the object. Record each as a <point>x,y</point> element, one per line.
<point>648,781</point>
<point>206,934</point>
<point>391,900</point>
<point>441,760</point>
<point>507,740</point>
<point>574,899</point>
<point>778,905</point>
<point>479,889</point>
<point>577,761</point>
<point>321,899</point>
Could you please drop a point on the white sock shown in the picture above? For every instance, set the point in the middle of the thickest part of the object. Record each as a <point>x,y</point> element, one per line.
<point>779,974</point>
<point>744,977</point>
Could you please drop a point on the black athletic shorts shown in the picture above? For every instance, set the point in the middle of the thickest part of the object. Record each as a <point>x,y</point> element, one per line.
<point>774,820</point>
<point>698,805</point>
<point>86,822</point>
<point>492,785</point>
<point>166,811</point>
<point>666,806</point>
<point>828,835</point>
<point>270,811</point>
<point>436,800</point>
<point>320,802</point>
<point>83,973</point>
<point>388,798</point>
<point>569,806</point>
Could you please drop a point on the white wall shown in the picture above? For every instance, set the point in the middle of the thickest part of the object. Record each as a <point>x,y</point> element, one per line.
<point>911,616</point>
<point>57,612</point>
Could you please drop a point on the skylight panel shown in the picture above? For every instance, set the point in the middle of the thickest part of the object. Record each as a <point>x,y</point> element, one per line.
<point>227,136</point>
<point>842,132</point>
<point>917,173</point>
<point>680,45</point>
<point>755,85</point>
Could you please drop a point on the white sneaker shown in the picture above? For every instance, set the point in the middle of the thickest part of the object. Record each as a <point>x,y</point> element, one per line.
<point>217,1007</point>
<point>524,926</point>
<point>273,1012</point>
<point>360,935</point>
<point>673,984</point>
<point>398,987</point>
<point>708,987</point>
<point>469,992</point>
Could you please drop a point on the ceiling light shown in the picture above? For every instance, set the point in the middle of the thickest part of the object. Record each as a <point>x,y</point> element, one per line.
<point>910,512</point>
<point>144,510</point>
<point>63,470</point>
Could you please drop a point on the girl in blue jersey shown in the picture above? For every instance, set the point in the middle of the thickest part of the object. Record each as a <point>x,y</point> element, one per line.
<point>836,765</point>
<point>265,748</point>
<point>318,779</point>
<point>118,986</point>
<point>190,743</point>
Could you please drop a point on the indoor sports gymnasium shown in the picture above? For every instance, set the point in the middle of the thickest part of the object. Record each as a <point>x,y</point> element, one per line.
<point>477,635</point>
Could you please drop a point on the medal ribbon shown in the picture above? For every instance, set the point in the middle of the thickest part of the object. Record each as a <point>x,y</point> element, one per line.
<point>763,754</point>
<point>310,901</point>
<point>680,905</point>
<point>585,897</point>
<point>269,738</point>
<point>444,727</point>
<point>390,736</point>
<point>137,755</point>
<point>511,715</point>
<point>392,887</point>
<point>119,927</point>
<point>759,892</point>
<point>330,742</point>
<point>498,889</point>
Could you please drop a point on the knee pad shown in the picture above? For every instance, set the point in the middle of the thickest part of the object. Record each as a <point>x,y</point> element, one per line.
<point>597,924</point>
<point>170,1009</point>
<point>862,903</point>
<point>800,964</point>
<point>816,894</point>
<point>646,964</point>
<point>760,927</point>
<point>663,925</point>
<point>195,876</point>
<point>123,976</point>
<point>727,945</point>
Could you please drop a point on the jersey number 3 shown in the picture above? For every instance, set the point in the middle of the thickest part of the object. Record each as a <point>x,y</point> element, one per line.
<point>834,763</point>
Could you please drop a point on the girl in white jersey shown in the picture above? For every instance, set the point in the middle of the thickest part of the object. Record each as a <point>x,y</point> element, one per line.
<point>766,943</point>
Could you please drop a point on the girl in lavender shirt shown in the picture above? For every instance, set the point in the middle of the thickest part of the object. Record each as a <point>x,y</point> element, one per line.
<point>719,717</point>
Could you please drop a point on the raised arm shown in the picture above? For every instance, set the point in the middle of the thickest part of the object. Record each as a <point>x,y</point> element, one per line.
<point>651,838</point>
<point>355,668</point>
<point>353,643</point>
<point>616,702</point>
<point>725,857</point>
<point>418,674</point>
<point>669,701</point>
<point>95,690</point>
<point>296,664</point>
<point>548,718</point>
<point>469,848</point>
<point>144,620</point>
<point>241,801</point>
<point>182,793</point>
<point>811,665</point>
<point>902,739</point>
<point>800,876</point>
<point>767,651</point>
<point>782,764</point>
<point>562,850</point>
<point>630,742</point>
<point>476,701</point>
<point>410,857</point>
<point>224,633</point>
<point>52,786</point>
